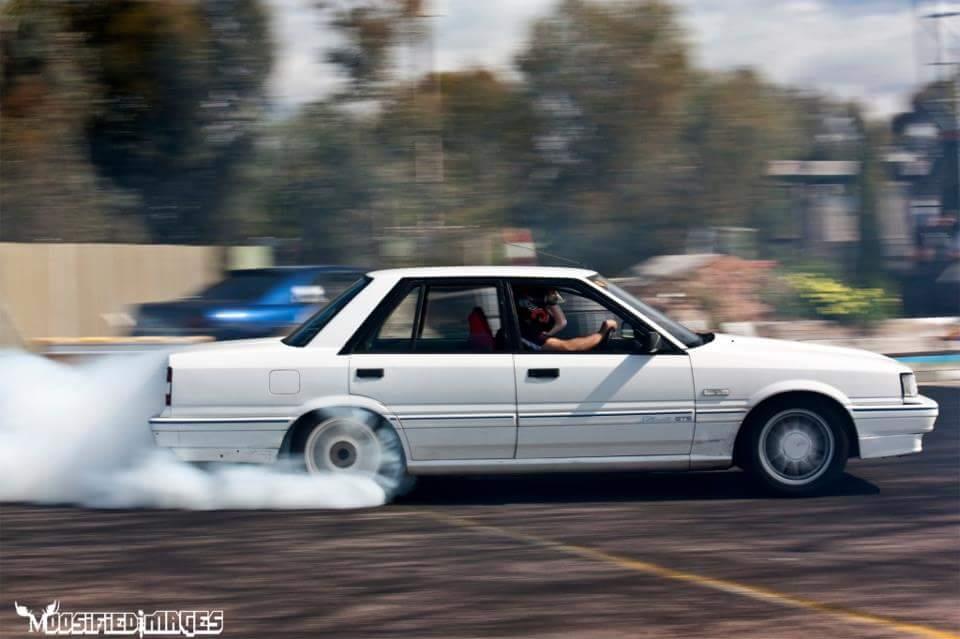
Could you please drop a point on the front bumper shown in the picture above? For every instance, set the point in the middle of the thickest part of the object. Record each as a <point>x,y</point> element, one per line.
<point>898,429</point>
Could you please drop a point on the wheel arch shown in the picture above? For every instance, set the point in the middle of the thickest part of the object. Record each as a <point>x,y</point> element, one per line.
<point>788,394</point>
<point>328,407</point>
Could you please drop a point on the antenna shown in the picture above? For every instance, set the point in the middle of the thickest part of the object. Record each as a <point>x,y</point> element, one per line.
<point>545,254</point>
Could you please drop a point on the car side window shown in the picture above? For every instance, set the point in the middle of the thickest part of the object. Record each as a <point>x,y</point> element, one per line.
<point>395,334</point>
<point>460,319</point>
<point>583,316</point>
<point>455,319</point>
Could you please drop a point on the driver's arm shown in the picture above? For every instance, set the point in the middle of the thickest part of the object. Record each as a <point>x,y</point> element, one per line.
<point>559,319</point>
<point>580,344</point>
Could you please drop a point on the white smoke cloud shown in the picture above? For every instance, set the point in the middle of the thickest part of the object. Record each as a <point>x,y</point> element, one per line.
<point>79,435</point>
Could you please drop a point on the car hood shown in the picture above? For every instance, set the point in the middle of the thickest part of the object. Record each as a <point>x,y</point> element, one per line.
<point>740,346</point>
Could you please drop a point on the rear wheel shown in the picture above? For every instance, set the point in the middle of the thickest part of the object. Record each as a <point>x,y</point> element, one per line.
<point>360,444</point>
<point>797,450</point>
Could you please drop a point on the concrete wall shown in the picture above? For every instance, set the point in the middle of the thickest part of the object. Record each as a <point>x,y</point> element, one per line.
<point>65,290</point>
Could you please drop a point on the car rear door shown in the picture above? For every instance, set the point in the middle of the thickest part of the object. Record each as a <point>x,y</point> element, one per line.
<point>613,401</point>
<point>427,355</point>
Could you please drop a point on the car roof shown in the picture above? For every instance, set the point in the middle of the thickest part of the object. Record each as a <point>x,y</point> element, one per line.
<point>484,271</point>
<point>286,270</point>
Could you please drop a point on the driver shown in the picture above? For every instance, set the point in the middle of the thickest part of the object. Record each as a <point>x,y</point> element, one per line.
<point>541,318</point>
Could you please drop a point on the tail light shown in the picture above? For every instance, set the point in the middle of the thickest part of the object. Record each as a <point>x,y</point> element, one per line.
<point>168,398</point>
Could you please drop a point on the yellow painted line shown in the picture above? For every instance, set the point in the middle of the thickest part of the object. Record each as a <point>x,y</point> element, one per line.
<point>722,585</point>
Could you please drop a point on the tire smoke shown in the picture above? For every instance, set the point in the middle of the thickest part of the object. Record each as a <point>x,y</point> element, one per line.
<point>79,434</point>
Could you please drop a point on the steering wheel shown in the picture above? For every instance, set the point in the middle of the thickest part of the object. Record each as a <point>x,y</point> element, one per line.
<point>605,340</point>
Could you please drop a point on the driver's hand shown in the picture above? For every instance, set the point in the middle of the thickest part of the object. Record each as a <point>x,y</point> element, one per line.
<point>608,326</point>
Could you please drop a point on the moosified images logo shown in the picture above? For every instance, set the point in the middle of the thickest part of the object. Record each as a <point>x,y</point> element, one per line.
<point>185,623</point>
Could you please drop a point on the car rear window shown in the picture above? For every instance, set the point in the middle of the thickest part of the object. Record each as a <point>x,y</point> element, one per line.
<point>303,334</point>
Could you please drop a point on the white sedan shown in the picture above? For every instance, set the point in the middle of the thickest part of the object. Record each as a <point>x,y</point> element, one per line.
<point>433,371</point>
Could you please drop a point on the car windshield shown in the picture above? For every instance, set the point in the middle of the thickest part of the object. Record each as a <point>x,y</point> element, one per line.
<point>241,285</point>
<point>303,334</point>
<point>676,329</point>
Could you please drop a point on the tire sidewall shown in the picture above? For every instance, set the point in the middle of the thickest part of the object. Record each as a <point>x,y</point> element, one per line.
<point>392,473</point>
<point>770,482</point>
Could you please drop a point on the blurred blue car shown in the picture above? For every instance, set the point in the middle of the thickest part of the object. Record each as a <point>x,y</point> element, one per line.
<point>247,303</point>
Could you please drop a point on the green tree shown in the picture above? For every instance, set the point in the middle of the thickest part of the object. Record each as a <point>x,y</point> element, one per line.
<point>184,86</point>
<point>607,81</point>
<point>316,183</point>
<point>477,130</point>
<point>171,94</point>
<point>48,188</point>
<point>370,32</point>
<point>735,125</point>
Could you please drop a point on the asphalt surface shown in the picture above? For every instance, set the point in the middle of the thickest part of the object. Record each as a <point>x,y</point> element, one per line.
<point>656,555</point>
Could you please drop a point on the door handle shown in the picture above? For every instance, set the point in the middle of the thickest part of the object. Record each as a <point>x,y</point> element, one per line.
<point>543,373</point>
<point>369,373</point>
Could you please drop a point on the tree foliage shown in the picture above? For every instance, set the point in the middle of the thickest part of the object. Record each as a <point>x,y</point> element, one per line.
<point>129,119</point>
<point>153,101</point>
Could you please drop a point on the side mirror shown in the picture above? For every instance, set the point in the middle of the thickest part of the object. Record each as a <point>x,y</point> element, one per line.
<point>649,342</point>
<point>653,345</point>
<point>307,294</point>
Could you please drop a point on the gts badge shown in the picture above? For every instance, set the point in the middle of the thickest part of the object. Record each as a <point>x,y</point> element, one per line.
<point>665,419</point>
<point>716,392</point>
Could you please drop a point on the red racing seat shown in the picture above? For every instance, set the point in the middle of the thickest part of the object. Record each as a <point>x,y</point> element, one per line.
<point>481,337</point>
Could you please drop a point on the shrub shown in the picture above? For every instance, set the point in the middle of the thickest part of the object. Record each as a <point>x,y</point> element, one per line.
<point>828,298</point>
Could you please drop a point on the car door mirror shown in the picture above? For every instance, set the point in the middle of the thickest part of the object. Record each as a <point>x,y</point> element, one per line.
<point>648,342</point>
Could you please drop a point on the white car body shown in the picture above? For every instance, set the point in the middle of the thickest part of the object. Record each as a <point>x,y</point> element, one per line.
<point>237,401</point>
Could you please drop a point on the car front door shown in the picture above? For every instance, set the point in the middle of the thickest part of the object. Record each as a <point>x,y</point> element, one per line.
<point>439,362</point>
<point>612,401</point>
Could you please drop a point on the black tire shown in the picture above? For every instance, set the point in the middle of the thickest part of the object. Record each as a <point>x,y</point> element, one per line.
<point>796,449</point>
<point>355,441</point>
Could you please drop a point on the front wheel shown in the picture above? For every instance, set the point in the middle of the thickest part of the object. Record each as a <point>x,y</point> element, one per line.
<point>797,450</point>
<point>360,445</point>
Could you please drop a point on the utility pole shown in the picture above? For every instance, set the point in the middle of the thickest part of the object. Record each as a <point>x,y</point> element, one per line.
<point>947,67</point>
<point>428,151</point>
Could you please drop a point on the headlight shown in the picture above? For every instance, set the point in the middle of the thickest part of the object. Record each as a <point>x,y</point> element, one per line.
<point>229,316</point>
<point>908,385</point>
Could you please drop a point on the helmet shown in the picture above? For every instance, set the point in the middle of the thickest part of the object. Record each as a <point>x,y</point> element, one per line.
<point>533,314</point>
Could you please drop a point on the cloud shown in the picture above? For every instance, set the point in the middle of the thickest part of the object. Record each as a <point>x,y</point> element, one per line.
<point>465,34</point>
<point>299,74</point>
<point>845,48</point>
<point>485,33</point>
<point>853,51</point>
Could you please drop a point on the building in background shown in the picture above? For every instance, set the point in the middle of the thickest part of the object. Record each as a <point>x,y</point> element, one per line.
<point>823,208</point>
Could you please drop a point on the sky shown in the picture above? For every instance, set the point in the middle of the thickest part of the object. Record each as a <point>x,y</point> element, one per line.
<point>869,50</point>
